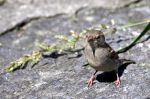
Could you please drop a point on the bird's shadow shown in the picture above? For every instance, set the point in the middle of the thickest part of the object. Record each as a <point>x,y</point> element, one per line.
<point>55,54</point>
<point>111,76</point>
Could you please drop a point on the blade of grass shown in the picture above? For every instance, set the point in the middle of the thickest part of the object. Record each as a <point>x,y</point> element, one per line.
<point>146,29</point>
<point>137,23</point>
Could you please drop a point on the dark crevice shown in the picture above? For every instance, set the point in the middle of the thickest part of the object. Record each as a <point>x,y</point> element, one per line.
<point>78,10</point>
<point>19,25</point>
<point>2,2</point>
<point>26,21</point>
<point>131,3</point>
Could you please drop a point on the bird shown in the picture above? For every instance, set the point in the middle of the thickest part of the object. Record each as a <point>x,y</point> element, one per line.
<point>100,55</point>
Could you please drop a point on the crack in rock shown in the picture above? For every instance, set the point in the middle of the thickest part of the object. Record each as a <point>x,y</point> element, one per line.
<point>132,3</point>
<point>26,21</point>
<point>2,2</point>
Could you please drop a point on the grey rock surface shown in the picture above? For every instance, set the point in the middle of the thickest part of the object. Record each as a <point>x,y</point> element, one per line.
<point>15,12</point>
<point>65,77</point>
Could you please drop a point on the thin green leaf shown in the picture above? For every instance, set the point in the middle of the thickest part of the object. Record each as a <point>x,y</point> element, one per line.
<point>146,29</point>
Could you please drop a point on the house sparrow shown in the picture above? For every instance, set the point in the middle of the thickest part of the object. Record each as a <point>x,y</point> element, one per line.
<point>100,55</point>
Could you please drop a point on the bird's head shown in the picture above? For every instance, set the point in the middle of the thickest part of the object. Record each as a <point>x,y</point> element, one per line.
<point>95,37</point>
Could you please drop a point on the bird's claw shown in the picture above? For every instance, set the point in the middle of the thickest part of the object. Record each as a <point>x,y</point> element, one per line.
<point>90,81</point>
<point>117,83</point>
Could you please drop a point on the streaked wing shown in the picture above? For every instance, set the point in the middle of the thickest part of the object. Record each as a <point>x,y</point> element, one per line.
<point>112,53</point>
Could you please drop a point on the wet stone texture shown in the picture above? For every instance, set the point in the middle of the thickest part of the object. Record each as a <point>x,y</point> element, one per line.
<point>26,22</point>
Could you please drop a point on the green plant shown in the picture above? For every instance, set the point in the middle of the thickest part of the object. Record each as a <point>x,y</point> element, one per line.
<point>22,62</point>
<point>63,44</point>
<point>146,29</point>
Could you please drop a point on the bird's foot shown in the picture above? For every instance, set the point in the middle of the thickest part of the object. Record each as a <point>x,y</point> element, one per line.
<point>117,82</point>
<point>90,81</point>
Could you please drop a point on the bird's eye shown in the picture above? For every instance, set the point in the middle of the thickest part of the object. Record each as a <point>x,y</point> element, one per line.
<point>98,36</point>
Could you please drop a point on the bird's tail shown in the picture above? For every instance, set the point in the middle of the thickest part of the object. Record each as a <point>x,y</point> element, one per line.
<point>126,61</point>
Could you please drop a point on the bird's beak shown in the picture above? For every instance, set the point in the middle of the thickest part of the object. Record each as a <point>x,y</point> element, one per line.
<point>89,37</point>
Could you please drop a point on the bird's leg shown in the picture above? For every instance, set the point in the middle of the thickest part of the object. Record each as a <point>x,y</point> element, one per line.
<point>90,81</point>
<point>117,81</point>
